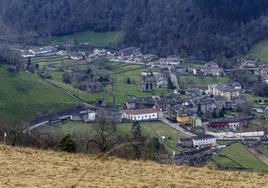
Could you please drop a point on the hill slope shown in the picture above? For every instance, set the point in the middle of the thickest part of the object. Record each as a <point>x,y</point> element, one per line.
<point>260,51</point>
<point>22,167</point>
<point>24,96</point>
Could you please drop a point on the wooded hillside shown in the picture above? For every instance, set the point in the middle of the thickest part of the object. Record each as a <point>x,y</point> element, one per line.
<point>199,28</point>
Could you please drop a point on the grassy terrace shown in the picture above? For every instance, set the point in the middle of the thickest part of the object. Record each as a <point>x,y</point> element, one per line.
<point>189,81</point>
<point>260,51</point>
<point>225,163</point>
<point>237,155</point>
<point>98,39</point>
<point>258,123</point>
<point>252,98</point>
<point>48,60</point>
<point>121,72</point>
<point>264,150</point>
<point>24,96</point>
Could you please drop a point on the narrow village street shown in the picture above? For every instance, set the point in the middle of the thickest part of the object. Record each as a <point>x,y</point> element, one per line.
<point>174,125</point>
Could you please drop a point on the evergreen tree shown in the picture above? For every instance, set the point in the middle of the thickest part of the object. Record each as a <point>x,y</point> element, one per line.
<point>214,114</point>
<point>128,81</point>
<point>170,84</point>
<point>67,144</point>
<point>222,113</point>
<point>137,138</point>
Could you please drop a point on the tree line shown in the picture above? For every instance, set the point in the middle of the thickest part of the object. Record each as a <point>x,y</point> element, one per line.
<point>104,139</point>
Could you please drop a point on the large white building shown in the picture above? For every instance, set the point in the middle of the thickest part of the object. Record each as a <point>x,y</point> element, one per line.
<point>42,50</point>
<point>140,114</point>
<point>204,141</point>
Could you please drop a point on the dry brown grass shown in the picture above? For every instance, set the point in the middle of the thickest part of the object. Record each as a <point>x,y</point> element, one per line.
<point>21,167</point>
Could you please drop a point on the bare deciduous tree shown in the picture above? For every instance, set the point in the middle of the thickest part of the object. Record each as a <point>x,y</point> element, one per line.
<point>102,138</point>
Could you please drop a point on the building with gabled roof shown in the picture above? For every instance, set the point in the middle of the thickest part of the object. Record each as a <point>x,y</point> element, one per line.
<point>212,68</point>
<point>223,90</point>
<point>145,114</point>
<point>204,141</point>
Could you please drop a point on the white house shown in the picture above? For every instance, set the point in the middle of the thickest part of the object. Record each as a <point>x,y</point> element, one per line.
<point>26,54</point>
<point>140,114</point>
<point>237,86</point>
<point>91,116</point>
<point>77,56</point>
<point>204,140</point>
<point>146,74</point>
<point>85,115</point>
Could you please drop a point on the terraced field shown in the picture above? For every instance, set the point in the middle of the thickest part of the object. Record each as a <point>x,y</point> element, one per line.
<point>121,73</point>
<point>196,81</point>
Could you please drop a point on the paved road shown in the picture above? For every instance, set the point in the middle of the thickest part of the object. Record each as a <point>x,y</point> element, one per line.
<point>175,126</point>
<point>174,79</point>
<point>82,102</point>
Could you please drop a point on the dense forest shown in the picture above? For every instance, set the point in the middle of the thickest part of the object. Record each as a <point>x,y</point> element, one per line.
<point>201,29</point>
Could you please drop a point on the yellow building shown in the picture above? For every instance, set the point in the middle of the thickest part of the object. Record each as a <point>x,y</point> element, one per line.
<point>184,120</point>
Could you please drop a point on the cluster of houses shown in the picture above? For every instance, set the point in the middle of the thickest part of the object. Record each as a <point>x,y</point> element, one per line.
<point>223,90</point>
<point>256,66</point>
<point>134,55</point>
<point>151,80</point>
<point>170,61</point>
<point>216,97</point>
<point>209,69</point>
<point>131,55</point>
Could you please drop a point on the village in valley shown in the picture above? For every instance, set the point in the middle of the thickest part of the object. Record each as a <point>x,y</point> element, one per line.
<point>212,112</point>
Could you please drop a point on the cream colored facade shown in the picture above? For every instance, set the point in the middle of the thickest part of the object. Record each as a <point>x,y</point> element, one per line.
<point>223,90</point>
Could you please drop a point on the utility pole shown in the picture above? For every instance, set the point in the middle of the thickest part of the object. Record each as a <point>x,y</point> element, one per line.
<point>173,156</point>
<point>5,136</point>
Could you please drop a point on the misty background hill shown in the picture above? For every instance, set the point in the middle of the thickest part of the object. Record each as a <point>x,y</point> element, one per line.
<point>203,29</point>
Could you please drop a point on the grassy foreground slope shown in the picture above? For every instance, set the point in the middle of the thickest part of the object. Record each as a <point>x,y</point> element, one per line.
<point>22,167</point>
<point>24,96</point>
